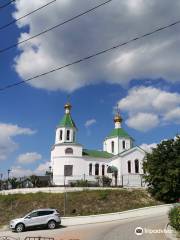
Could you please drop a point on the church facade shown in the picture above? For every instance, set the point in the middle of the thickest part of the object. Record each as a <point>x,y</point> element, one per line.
<point>119,160</point>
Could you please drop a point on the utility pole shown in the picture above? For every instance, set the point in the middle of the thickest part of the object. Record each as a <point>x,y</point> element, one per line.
<point>65,196</point>
<point>1,175</point>
<point>50,175</point>
<point>9,170</point>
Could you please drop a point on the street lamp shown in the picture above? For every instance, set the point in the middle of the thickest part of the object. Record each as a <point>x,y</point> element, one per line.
<point>50,175</point>
<point>1,175</point>
<point>9,170</point>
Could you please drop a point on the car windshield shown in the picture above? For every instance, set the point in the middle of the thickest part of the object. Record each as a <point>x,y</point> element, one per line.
<point>28,214</point>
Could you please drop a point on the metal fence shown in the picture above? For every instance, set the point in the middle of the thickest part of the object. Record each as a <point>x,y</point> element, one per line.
<point>26,238</point>
<point>133,180</point>
<point>38,238</point>
<point>8,238</point>
<point>126,180</point>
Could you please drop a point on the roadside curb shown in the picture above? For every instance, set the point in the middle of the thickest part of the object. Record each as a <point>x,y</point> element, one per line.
<point>171,233</point>
<point>139,212</point>
<point>134,213</point>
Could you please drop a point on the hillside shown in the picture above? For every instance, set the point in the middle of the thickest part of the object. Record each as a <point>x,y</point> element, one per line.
<point>78,203</point>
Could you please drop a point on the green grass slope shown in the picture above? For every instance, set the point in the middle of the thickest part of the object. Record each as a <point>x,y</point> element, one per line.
<point>78,203</point>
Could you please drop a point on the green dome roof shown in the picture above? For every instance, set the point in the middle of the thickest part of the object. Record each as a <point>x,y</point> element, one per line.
<point>67,121</point>
<point>118,132</point>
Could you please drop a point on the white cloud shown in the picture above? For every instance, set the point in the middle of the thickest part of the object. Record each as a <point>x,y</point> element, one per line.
<point>42,168</point>
<point>149,106</point>
<point>7,133</point>
<point>19,171</point>
<point>155,57</point>
<point>143,121</point>
<point>29,157</point>
<point>90,122</point>
<point>148,147</point>
<point>173,115</point>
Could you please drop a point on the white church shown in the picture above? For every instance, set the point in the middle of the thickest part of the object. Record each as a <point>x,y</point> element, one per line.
<point>120,160</point>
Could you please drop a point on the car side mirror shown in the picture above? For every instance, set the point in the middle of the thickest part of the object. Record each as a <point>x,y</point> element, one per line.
<point>28,217</point>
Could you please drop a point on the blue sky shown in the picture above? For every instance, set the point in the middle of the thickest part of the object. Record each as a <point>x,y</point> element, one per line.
<point>142,78</point>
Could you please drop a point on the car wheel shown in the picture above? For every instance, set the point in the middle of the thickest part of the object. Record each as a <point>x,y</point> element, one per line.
<point>19,227</point>
<point>51,224</point>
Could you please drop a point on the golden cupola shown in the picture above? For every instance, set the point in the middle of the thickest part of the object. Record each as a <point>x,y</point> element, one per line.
<point>118,118</point>
<point>67,107</point>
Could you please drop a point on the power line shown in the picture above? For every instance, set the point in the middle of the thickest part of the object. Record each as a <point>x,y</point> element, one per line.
<point>52,28</point>
<point>90,56</point>
<point>7,4</point>
<point>16,20</point>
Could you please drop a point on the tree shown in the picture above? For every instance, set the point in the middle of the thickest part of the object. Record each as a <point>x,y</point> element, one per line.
<point>34,180</point>
<point>104,181</point>
<point>14,182</point>
<point>162,168</point>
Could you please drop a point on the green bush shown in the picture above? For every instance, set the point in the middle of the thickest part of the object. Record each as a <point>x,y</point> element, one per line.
<point>174,217</point>
<point>81,183</point>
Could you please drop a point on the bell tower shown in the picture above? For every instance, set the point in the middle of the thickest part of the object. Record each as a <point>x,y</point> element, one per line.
<point>66,130</point>
<point>118,140</point>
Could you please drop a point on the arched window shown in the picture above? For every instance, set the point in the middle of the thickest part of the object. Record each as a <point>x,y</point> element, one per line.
<point>112,146</point>
<point>123,144</point>
<point>90,169</point>
<point>103,168</point>
<point>61,134</point>
<point>129,166</point>
<point>68,151</point>
<point>96,169</point>
<point>68,135</point>
<point>136,163</point>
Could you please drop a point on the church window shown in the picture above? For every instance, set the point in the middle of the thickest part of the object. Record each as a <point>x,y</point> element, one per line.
<point>68,135</point>
<point>112,146</point>
<point>129,166</point>
<point>69,151</point>
<point>123,144</point>
<point>61,134</point>
<point>90,169</point>
<point>136,162</point>
<point>103,168</point>
<point>68,170</point>
<point>96,169</point>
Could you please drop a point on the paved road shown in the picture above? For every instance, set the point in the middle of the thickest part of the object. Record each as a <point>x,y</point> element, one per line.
<point>116,230</point>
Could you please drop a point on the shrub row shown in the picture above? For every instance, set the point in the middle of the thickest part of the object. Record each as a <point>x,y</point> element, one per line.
<point>174,217</point>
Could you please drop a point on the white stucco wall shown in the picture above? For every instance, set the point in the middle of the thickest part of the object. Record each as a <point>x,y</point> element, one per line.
<point>118,145</point>
<point>59,150</point>
<point>81,163</point>
<point>132,156</point>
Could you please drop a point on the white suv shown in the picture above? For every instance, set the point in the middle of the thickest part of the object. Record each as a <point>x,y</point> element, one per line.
<point>49,218</point>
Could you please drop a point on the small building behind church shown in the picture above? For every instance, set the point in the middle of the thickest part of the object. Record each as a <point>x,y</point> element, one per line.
<point>119,160</point>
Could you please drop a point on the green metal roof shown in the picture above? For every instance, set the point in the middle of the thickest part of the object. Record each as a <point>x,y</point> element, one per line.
<point>119,132</point>
<point>97,154</point>
<point>67,121</point>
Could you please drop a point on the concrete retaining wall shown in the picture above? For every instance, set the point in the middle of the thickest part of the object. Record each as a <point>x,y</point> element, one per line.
<point>52,190</point>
